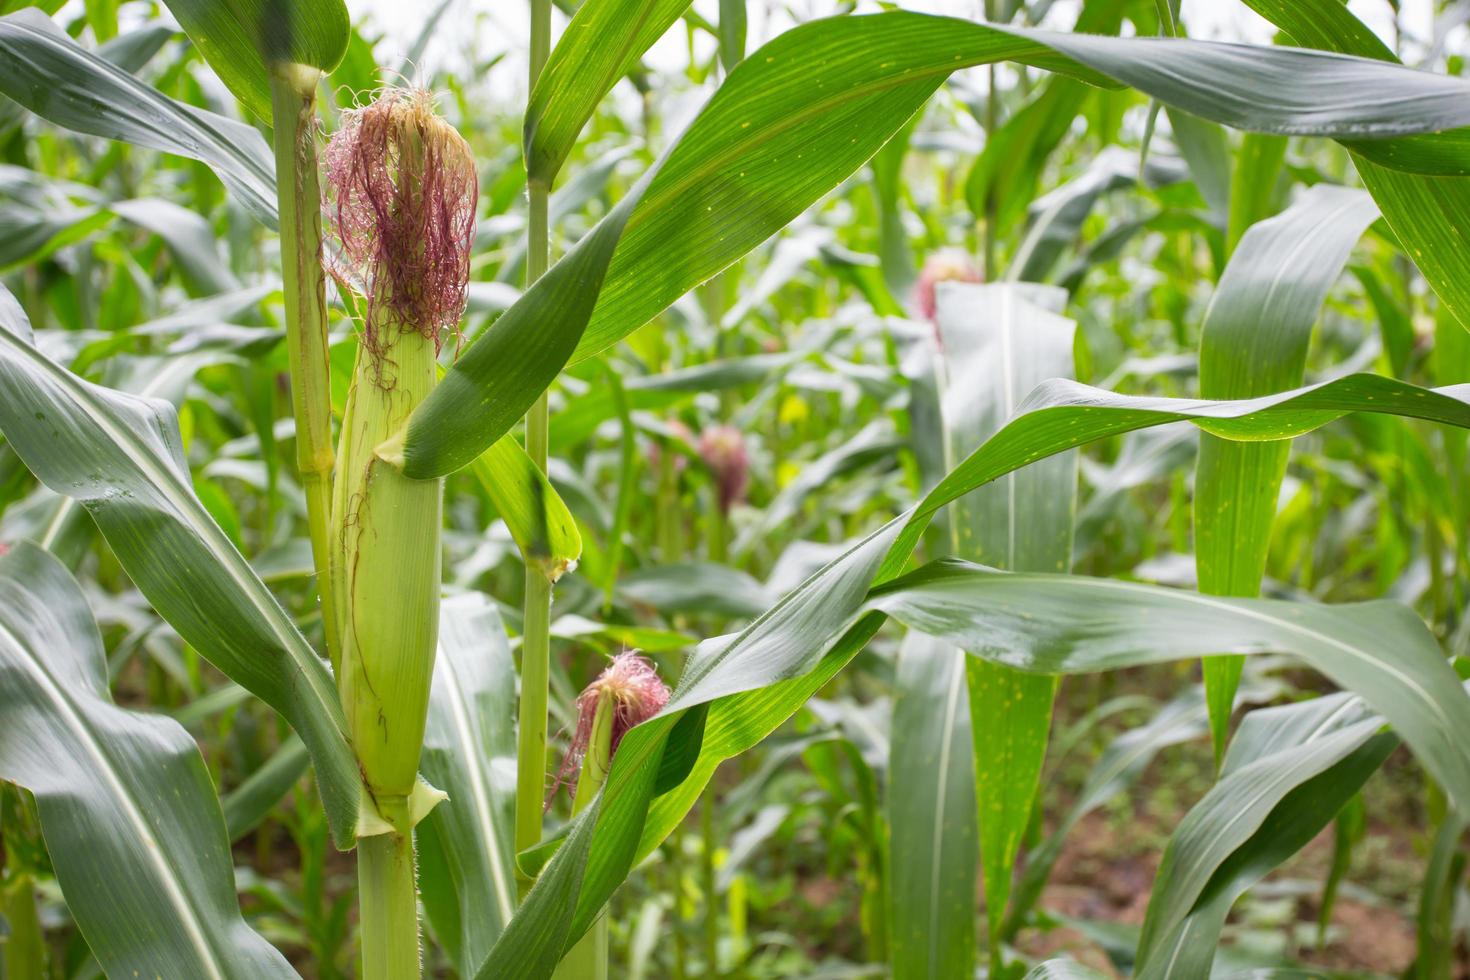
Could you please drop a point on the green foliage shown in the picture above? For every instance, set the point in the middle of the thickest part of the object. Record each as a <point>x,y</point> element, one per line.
<point>861,541</point>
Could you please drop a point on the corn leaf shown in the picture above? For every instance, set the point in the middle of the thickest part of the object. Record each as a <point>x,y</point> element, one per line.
<point>242,39</point>
<point>1427,215</point>
<point>931,815</point>
<point>603,41</point>
<point>126,804</point>
<point>805,111</point>
<point>1305,761</point>
<point>50,74</point>
<point>998,342</point>
<point>1254,342</point>
<point>1379,650</point>
<point>467,873</point>
<point>746,685</point>
<point>120,456</point>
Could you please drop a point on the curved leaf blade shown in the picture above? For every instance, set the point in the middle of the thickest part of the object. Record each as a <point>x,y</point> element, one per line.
<point>65,84</point>
<point>127,807</point>
<point>801,115</point>
<point>1254,342</point>
<point>1379,650</point>
<point>466,843</point>
<point>120,456</point>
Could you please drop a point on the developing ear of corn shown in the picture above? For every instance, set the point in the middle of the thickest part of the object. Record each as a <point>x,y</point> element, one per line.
<point>401,199</point>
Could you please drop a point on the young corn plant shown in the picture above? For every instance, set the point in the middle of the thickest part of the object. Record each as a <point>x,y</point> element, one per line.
<point>905,519</point>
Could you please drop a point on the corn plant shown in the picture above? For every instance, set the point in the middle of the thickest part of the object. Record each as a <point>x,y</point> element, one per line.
<point>635,451</point>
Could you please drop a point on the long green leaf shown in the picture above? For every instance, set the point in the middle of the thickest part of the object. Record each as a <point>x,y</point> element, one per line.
<point>1379,650</point>
<point>931,815</point>
<point>120,456</point>
<point>999,341</point>
<point>1427,215</point>
<point>747,685</point>
<point>804,112</point>
<point>1254,342</point>
<point>244,39</point>
<point>466,843</point>
<point>127,807</point>
<point>50,74</point>
<point>603,41</point>
<point>1307,760</point>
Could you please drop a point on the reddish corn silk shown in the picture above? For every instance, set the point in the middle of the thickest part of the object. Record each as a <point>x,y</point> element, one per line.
<point>400,198</point>
<point>946,265</point>
<point>637,695</point>
<point>723,449</point>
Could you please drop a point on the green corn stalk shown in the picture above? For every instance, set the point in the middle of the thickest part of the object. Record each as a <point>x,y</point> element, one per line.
<point>293,113</point>
<point>400,176</point>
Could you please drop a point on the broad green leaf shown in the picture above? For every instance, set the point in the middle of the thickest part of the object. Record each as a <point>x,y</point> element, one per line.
<point>467,874</point>
<point>1306,761</point>
<point>805,111</point>
<point>931,815</point>
<point>1427,215</point>
<point>50,74</point>
<point>746,685</point>
<point>243,39</point>
<point>603,41</point>
<point>1380,651</point>
<point>120,456</point>
<point>1254,342</point>
<point>126,804</point>
<point>998,342</point>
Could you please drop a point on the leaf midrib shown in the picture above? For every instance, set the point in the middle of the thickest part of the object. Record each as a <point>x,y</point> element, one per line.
<point>153,848</point>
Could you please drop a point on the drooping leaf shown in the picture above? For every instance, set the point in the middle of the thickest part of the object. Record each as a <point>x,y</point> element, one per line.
<point>50,74</point>
<point>747,685</point>
<point>1291,770</point>
<point>121,457</point>
<point>803,113</point>
<point>1428,215</point>
<point>126,804</point>
<point>1254,342</point>
<point>1380,651</point>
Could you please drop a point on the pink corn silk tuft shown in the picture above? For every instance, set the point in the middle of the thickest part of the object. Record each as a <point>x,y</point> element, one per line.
<point>638,694</point>
<point>723,450</point>
<point>946,265</point>
<point>400,197</point>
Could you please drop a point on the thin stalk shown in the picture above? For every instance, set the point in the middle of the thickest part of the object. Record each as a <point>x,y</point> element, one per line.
<point>536,629</point>
<point>388,904</point>
<point>719,546</point>
<point>293,113</point>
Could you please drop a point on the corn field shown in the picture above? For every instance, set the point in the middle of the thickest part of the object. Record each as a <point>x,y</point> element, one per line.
<point>751,489</point>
